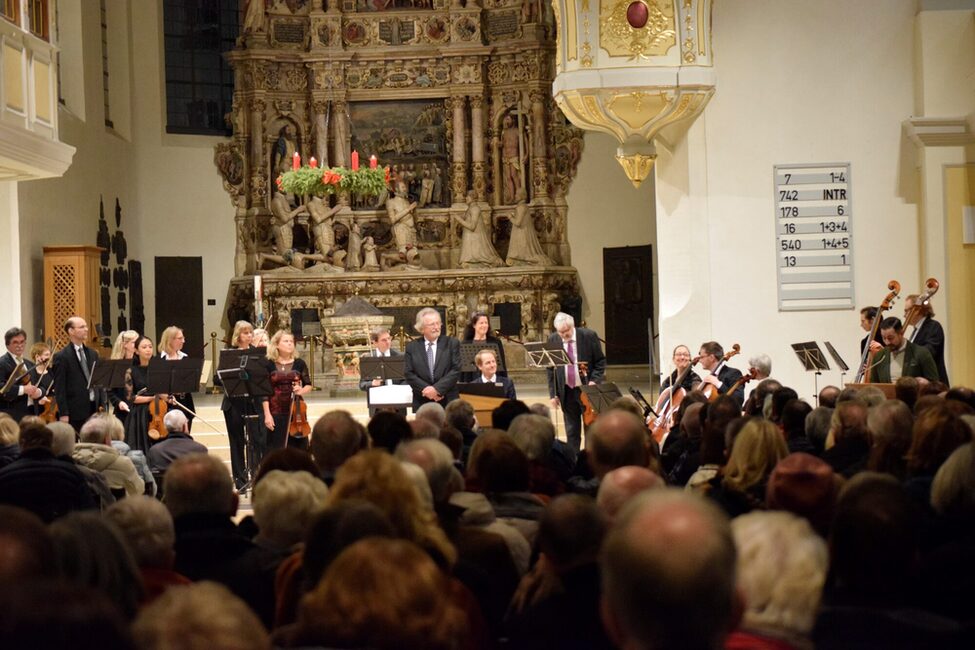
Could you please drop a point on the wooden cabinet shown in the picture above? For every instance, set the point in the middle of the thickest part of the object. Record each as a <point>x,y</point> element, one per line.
<point>70,289</point>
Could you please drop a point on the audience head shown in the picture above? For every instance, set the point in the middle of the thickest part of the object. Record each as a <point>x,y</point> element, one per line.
<point>91,552</point>
<point>147,528</point>
<point>383,594</point>
<point>433,412</point>
<point>847,394</point>
<point>175,421</point>
<point>961,394</point>
<point>763,390</point>
<point>335,438</point>
<point>63,440</point>
<point>793,418</point>
<point>937,433</point>
<point>437,463</point>
<point>9,430</point>
<point>97,430</point>
<point>779,399</point>
<point>26,549</point>
<point>906,389</point>
<point>806,486</point>
<point>199,484</point>
<point>571,530</point>
<point>953,490</point>
<point>35,437</point>
<point>781,572</point>
<point>388,429</point>
<point>622,484</point>
<point>201,616</point>
<point>762,364</point>
<point>692,422</point>
<point>890,425</point>
<point>287,459</point>
<point>872,396</point>
<point>828,396</point>
<point>924,402</point>
<point>460,415</point>
<point>541,409</point>
<point>507,411</point>
<point>618,438</point>
<point>817,427</point>
<point>627,403</point>
<point>668,568</point>
<point>756,451</point>
<point>424,428</point>
<point>336,528</point>
<point>499,465</point>
<point>533,434</point>
<point>720,413</point>
<point>285,504</point>
<point>849,422</point>
<point>453,439</point>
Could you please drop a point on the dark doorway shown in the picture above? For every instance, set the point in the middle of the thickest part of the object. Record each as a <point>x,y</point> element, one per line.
<point>179,299</point>
<point>628,292</point>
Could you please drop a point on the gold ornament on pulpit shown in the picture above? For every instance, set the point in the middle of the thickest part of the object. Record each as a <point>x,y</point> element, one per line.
<point>639,70</point>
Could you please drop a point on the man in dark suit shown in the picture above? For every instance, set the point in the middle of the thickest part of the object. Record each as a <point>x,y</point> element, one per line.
<point>72,370</point>
<point>487,362</point>
<point>14,402</point>
<point>722,376</point>
<point>381,341</point>
<point>927,333</point>
<point>581,345</point>
<point>432,362</point>
<point>900,357</point>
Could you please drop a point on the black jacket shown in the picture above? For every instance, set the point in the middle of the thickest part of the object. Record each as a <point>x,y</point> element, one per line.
<point>446,369</point>
<point>48,487</point>
<point>70,383</point>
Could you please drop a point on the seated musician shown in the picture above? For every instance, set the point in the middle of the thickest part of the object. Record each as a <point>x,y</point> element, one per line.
<point>487,365</point>
<point>722,376</point>
<point>682,365</point>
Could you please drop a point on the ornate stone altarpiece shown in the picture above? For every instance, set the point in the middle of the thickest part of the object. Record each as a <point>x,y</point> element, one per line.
<point>456,98</point>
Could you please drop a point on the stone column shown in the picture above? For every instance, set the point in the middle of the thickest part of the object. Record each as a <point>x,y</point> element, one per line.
<point>320,107</point>
<point>259,167</point>
<point>539,151</point>
<point>341,139</point>
<point>478,165</point>
<point>459,168</point>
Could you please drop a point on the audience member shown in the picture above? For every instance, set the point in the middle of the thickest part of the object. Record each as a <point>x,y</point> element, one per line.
<point>335,438</point>
<point>937,433</point>
<point>850,438</point>
<point>817,428</point>
<point>759,397</point>
<point>890,425</point>
<point>433,412</point>
<point>460,415</point>
<point>40,483</point>
<point>793,423</point>
<point>906,389</point>
<point>617,439</point>
<point>285,503</point>
<point>828,396</point>
<point>425,427</point>
<point>26,549</point>
<point>62,445</point>
<point>287,459</point>
<point>506,411</point>
<point>806,486</point>
<point>668,572</point>
<point>387,430</point>
<point>116,431</point>
<point>95,452</point>
<point>535,436</point>
<point>781,572</point>
<point>9,436</point>
<point>677,449</point>
<point>147,528</point>
<point>502,471</point>
<point>756,450</point>
<point>176,444</point>
<point>203,616</point>
<point>780,398</point>
<point>622,484</point>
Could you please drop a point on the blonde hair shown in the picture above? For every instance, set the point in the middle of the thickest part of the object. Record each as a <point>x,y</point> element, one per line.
<point>9,430</point>
<point>781,571</point>
<point>377,477</point>
<point>36,349</point>
<point>260,337</point>
<point>477,357</point>
<point>757,449</point>
<point>272,346</point>
<point>240,327</point>
<point>166,338</point>
<point>118,350</point>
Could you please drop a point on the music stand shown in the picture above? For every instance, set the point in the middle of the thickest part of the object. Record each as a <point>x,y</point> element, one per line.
<point>384,369</point>
<point>469,350</point>
<point>601,396</point>
<point>642,401</point>
<point>813,360</point>
<point>172,377</point>
<point>838,360</point>
<point>549,356</point>
<point>243,376</point>
<point>107,374</point>
<point>483,397</point>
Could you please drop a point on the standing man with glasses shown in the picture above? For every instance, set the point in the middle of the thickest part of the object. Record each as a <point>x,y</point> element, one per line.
<point>581,345</point>
<point>14,402</point>
<point>72,372</point>
<point>432,361</point>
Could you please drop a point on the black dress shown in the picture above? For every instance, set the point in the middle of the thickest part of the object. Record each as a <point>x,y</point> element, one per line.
<point>137,422</point>
<point>280,402</point>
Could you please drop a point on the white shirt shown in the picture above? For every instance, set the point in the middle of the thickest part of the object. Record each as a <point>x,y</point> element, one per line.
<point>377,353</point>
<point>493,379</point>
<point>917,328</point>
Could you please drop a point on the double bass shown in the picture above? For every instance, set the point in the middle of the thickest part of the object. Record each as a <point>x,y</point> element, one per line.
<point>866,360</point>
<point>931,287</point>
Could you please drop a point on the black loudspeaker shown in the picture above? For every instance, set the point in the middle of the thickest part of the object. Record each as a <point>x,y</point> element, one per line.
<point>510,314</point>
<point>299,316</point>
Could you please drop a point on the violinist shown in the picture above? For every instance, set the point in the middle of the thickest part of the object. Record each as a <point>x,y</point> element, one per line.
<point>477,331</point>
<point>290,380</point>
<point>236,409</point>
<point>171,347</point>
<point>124,348</point>
<point>260,338</point>
<point>722,376</point>
<point>40,376</point>
<point>137,422</point>
<point>15,401</point>
<point>581,345</point>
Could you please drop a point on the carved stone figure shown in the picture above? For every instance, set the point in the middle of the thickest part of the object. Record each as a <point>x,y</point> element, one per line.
<point>283,221</point>
<point>476,249</point>
<point>255,16</point>
<point>524,249</point>
<point>322,219</point>
<point>512,158</point>
<point>401,216</point>
<point>354,258</point>
<point>426,188</point>
<point>370,261</point>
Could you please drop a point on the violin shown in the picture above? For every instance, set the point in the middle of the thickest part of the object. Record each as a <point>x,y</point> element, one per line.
<point>866,361</point>
<point>744,379</point>
<point>669,401</point>
<point>157,411</point>
<point>709,390</point>
<point>589,413</point>
<point>298,426</point>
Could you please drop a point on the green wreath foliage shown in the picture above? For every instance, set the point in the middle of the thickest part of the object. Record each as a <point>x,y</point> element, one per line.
<point>322,181</point>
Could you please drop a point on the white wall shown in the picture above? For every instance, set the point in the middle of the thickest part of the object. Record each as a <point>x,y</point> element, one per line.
<point>828,81</point>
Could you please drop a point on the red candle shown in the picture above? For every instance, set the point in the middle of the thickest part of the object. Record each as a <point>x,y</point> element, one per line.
<point>295,161</point>
<point>373,162</point>
<point>313,162</point>
<point>355,161</point>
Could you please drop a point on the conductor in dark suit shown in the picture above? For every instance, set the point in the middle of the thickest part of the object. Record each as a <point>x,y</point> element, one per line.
<point>432,361</point>
<point>722,376</point>
<point>14,402</point>
<point>580,345</point>
<point>382,347</point>
<point>487,363</point>
<point>927,333</point>
<point>72,369</point>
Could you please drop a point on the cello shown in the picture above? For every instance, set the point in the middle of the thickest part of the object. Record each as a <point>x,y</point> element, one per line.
<point>669,401</point>
<point>866,360</point>
<point>710,391</point>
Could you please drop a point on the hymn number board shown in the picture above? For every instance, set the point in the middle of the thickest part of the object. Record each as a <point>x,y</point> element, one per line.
<point>814,236</point>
